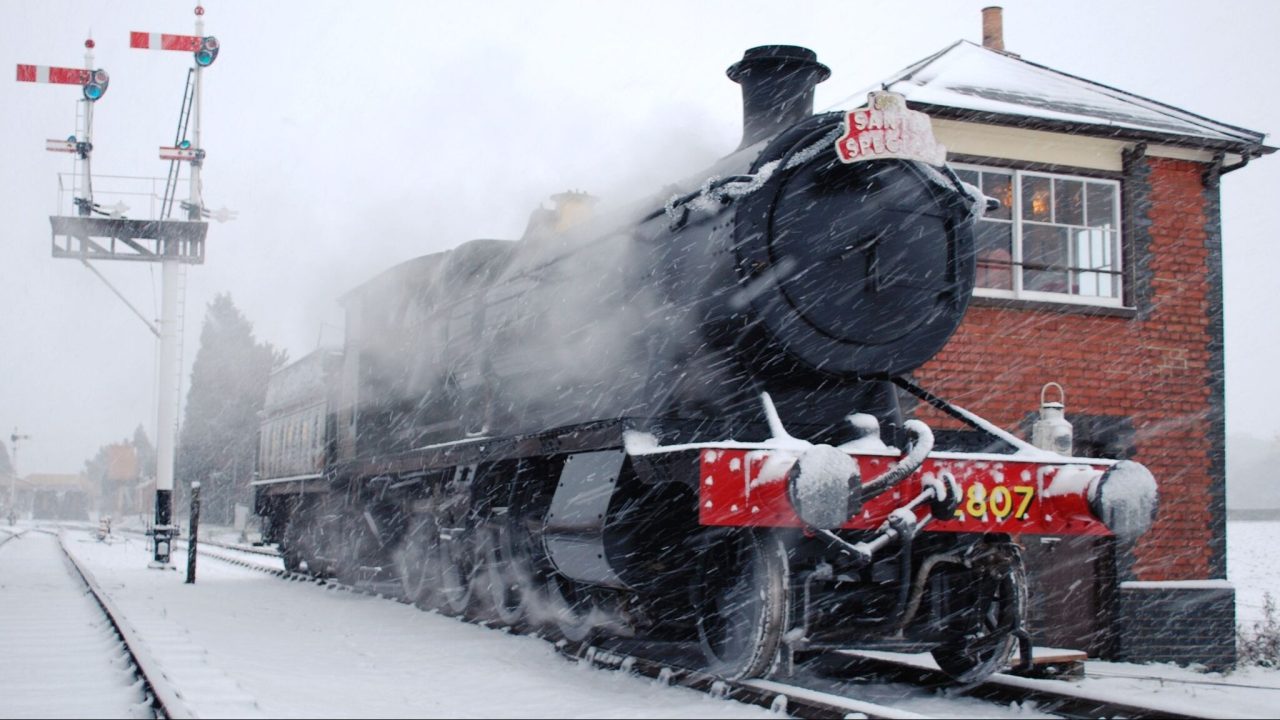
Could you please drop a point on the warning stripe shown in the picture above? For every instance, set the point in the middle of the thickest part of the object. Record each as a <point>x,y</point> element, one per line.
<point>163,41</point>
<point>56,75</point>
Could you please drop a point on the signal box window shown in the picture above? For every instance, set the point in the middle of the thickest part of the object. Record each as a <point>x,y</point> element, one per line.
<point>1054,237</point>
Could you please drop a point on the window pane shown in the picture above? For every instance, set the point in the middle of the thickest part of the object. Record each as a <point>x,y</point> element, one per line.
<point>1046,256</point>
<point>1068,202</point>
<point>1065,234</point>
<point>1000,187</point>
<point>995,255</point>
<point>1036,203</point>
<point>1102,205</point>
<point>1095,284</point>
<point>1095,250</point>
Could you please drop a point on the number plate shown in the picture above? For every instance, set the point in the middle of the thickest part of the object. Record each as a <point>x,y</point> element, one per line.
<point>999,502</point>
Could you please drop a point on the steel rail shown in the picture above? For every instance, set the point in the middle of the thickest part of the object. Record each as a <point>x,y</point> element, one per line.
<point>780,697</point>
<point>165,699</point>
<point>238,548</point>
<point>1053,696</point>
<point>12,536</point>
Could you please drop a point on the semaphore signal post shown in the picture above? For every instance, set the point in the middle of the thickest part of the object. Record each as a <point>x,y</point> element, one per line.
<point>104,233</point>
<point>204,51</point>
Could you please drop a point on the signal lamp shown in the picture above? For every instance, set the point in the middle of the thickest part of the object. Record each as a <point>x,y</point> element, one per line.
<point>184,145</point>
<point>97,85</point>
<point>208,51</point>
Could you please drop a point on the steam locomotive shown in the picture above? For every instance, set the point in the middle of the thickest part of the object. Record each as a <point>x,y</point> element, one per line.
<point>680,422</point>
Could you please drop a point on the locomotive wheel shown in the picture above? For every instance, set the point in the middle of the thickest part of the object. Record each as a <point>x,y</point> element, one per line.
<point>292,560</point>
<point>291,546</point>
<point>416,562</point>
<point>359,550</point>
<point>739,592</point>
<point>510,574</point>
<point>456,571</point>
<point>572,608</point>
<point>297,545</point>
<point>985,643</point>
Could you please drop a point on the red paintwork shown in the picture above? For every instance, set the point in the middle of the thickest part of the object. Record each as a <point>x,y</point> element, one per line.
<point>57,75</point>
<point>142,40</point>
<point>730,496</point>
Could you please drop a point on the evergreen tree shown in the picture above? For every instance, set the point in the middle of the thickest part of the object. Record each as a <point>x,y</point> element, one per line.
<point>6,477</point>
<point>6,467</point>
<point>146,453</point>
<point>219,439</point>
<point>96,470</point>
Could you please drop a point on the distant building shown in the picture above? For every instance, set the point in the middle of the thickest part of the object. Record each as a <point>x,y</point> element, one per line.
<point>1102,271</point>
<point>124,489</point>
<point>56,497</point>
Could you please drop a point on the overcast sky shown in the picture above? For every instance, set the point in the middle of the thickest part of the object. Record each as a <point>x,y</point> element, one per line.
<point>352,135</point>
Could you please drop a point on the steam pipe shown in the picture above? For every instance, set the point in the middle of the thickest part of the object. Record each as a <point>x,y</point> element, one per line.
<point>921,446</point>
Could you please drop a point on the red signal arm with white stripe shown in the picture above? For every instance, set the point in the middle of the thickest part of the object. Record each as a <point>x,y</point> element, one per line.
<point>164,41</point>
<point>55,75</point>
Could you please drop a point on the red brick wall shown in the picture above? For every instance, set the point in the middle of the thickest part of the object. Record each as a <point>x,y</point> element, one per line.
<point>1153,368</point>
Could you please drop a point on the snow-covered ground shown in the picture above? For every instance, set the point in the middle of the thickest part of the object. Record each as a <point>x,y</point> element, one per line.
<point>59,656</point>
<point>1253,566</point>
<point>295,650</point>
<point>242,643</point>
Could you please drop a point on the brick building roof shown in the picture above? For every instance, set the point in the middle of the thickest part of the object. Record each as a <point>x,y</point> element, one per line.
<point>966,81</point>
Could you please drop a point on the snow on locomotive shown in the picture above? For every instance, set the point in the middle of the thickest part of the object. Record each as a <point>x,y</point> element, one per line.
<point>680,422</point>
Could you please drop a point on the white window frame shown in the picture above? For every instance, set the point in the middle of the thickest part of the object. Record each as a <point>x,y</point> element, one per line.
<point>1018,292</point>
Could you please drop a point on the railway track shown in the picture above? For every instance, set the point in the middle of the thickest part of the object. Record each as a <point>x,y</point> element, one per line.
<point>65,655</point>
<point>158,654</point>
<point>829,699</point>
<point>1052,696</point>
<point>793,700</point>
<point>165,698</point>
<point>8,535</point>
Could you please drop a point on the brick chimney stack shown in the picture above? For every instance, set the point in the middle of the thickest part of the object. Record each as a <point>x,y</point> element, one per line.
<point>993,28</point>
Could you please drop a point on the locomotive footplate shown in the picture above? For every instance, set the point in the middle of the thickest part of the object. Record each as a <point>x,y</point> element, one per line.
<point>584,437</point>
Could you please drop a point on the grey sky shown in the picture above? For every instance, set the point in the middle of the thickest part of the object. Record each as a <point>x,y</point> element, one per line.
<point>349,136</point>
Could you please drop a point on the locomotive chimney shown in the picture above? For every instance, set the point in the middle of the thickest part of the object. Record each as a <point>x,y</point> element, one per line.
<point>993,28</point>
<point>777,88</point>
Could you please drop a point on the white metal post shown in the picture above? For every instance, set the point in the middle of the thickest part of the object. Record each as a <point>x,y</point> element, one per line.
<point>13,481</point>
<point>170,367</point>
<point>13,476</point>
<point>167,415</point>
<point>196,204</point>
<point>84,134</point>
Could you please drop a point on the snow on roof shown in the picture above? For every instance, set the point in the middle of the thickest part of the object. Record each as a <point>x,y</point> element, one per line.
<point>971,82</point>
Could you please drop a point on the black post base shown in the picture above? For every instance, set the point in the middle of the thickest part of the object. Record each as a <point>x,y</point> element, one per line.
<point>163,531</point>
